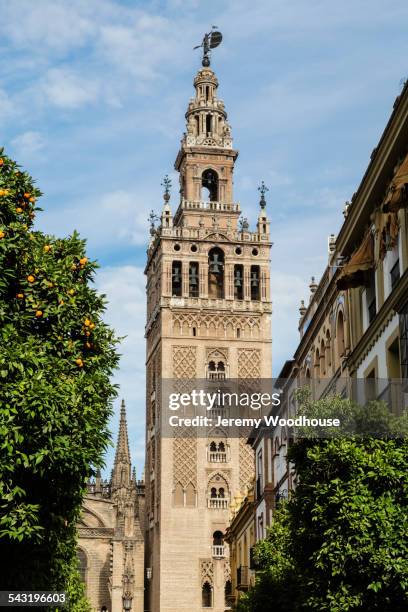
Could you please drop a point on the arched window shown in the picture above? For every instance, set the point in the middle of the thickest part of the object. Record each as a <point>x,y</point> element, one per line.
<point>208,124</point>
<point>206,593</point>
<point>178,495</point>
<point>197,120</point>
<point>340,335</point>
<point>228,592</point>
<point>190,495</point>
<point>176,283</point>
<point>216,370</point>
<point>322,359</point>
<point>328,351</point>
<point>255,285</point>
<point>218,492</point>
<point>216,273</point>
<point>82,565</point>
<point>238,282</point>
<point>317,363</point>
<point>213,447</point>
<point>218,538</point>
<point>193,279</point>
<point>209,182</point>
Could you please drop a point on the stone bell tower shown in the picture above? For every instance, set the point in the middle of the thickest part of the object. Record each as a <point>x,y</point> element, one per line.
<point>208,317</point>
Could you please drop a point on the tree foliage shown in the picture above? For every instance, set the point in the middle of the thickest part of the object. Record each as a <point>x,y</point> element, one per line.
<point>56,359</point>
<point>340,542</point>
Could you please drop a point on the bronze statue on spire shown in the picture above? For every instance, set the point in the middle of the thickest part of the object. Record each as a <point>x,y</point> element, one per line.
<point>210,41</point>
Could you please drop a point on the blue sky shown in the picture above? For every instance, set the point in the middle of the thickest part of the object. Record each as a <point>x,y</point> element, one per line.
<point>92,102</point>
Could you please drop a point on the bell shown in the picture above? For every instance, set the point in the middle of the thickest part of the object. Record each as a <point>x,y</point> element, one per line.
<point>254,279</point>
<point>176,276</point>
<point>215,264</point>
<point>238,279</point>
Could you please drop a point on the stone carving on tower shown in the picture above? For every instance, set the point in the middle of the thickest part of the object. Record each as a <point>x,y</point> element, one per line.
<point>208,317</point>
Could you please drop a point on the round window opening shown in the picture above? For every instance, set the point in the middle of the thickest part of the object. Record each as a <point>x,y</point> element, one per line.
<point>255,252</point>
<point>194,248</point>
<point>238,251</point>
<point>177,247</point>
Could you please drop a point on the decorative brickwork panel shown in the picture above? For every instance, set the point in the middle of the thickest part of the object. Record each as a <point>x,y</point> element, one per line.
<point>249,363</point>
<point>246,464</point>
<point>227,570</point>
<point>185,457</point>
<point>185,443</point>
<point>184,362</point>
<point>206,571</point>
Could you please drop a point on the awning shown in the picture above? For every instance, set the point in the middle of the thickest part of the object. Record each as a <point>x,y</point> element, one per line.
<point>354,273</point>
<point>397,196</point>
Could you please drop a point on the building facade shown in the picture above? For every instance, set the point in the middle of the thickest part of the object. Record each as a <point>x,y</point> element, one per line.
<point>110,535</point>
<point>208,317</point>
<point>240,536</point>
<point>354,327</point>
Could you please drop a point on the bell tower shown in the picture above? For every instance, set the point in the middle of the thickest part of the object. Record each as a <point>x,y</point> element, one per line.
<point>208,317</point>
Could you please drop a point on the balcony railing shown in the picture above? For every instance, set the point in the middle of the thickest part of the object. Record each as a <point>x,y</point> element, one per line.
<point>216,376</point>
<point>217,456</point>
<point>242,578</point>
<point>218,551</point>
<point>208,205</point>
<point>219,503</point>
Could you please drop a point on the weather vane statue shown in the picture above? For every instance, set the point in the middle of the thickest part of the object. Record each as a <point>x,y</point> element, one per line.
<point>210,41</point>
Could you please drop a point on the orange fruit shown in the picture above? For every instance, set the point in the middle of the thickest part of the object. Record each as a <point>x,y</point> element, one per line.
<point>79,362</point>
<point>32,199</point>
<point>26,195</point>
<point>1,161</point>
<point>47,248</point>
<point>19,209</point>
<point>88,345</point>
<point>83,261</point>
<point>87,333</point>
<point>87,322</point>
<point>2,234</point>
<point>92,325</point>
<point>30,278</point>
<point>20,296</point>
<point>39,313</point>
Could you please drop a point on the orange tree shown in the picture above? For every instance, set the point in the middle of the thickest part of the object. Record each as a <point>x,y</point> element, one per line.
<point>56,359</point>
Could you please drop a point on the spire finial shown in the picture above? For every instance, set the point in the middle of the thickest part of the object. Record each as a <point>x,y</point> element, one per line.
<point>166,183</point>
<point>152,220</point>
<point>262,189</point>
<point>121,468</point>
<point>210,41</point>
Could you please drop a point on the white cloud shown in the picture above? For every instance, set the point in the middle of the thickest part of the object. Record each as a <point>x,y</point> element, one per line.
<point>46,25</point>
<point>28,143</point>
<point>63,88</point>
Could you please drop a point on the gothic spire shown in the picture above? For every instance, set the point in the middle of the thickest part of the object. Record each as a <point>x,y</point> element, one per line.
<point>121,474</point>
